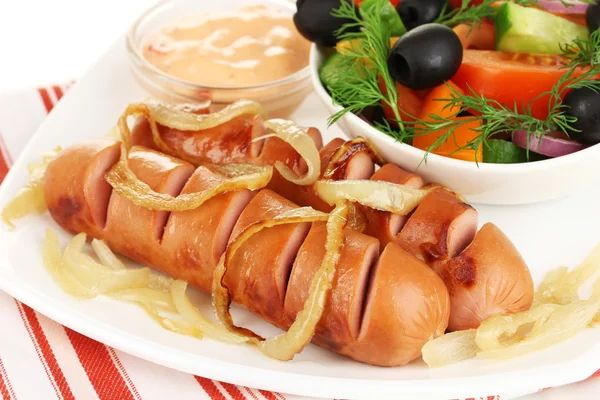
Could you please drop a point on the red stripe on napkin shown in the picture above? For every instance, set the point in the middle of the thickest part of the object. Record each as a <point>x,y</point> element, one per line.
<point>115,358</point>
<point>251,393</point>
<point>58,92</point>
<point>45,353</point>
<point>100,368</point>
<point>5,387</point>
<point>268,395</point>
<point>46,99</point>
<point>5,159</point>
<point>234,392</point>
<point>3,168</point>
<point>210,388</point>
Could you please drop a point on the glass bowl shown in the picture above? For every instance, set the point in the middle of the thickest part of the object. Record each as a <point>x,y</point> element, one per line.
<point>279,98</point>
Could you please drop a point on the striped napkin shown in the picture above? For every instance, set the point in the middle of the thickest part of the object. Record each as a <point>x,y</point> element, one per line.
<point>40,359</point>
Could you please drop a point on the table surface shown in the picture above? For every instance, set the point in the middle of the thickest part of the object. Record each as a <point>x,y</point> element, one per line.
<point>62,38</point>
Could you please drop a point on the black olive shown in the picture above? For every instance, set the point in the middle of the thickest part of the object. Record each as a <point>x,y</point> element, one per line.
<point>584,104</point>
<point>592,17</point>
<point>315,22</point>
<point>425,57</point>
<point>419,12</point>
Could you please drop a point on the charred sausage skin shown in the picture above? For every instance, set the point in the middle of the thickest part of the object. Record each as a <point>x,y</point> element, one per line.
<point>381,310</point>
<point>441,232</point>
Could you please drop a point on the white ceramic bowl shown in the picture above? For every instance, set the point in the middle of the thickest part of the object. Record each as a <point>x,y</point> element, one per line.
<point>495,184</point>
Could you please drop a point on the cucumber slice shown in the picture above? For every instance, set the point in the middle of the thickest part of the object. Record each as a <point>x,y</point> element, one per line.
<point>389,15</point>
<point>331,68</point>
<point>498,151</point>
<point>530,30</point>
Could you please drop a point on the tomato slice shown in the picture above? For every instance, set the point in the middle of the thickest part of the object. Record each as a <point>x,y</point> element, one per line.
<point>511,78</point>
<point>480,37</point>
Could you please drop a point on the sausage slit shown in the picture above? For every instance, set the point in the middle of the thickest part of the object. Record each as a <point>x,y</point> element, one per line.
<point>289,256</point>
<point>461,232</point>
<point>368,283</point>
<point>360,166</point>
<point>368,265</point>
<point>234,209</point>
<point>396,223</point>
<point>173,187</point>
<point>97,189</point>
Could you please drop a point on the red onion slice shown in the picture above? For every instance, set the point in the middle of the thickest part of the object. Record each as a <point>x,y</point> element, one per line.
<point>557,6</point>
<point>547,145</point>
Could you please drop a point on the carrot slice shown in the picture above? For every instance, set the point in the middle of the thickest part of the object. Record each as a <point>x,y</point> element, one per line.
<point>434,105</point>
<point>409,103</point>
<point>461,136</point>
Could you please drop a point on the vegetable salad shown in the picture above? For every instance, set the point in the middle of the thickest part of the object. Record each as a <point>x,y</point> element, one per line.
<point>476,80</point>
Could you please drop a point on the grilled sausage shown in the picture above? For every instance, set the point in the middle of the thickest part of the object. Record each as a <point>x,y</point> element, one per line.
<point>439,229</point>
<point>405,304</point>
<point>75,190</point>
<point>488,277</point>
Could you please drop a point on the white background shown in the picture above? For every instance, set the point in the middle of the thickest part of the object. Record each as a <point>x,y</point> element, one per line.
<point>51,41</point>
<point>43,42</point>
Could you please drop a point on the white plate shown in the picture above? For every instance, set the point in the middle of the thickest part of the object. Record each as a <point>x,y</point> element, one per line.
<point>548,235</point>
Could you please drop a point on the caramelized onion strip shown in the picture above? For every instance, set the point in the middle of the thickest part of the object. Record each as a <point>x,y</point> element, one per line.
<point>240,177</point>
<point>194,317</point>
<point>562,287</point>
<point>172,116</point>
<point>499,331</point>
<point>146,295</point>
<point>288,344</point>
<point>563,323</point>
<point>170,324</point>
<point>53,261</point>
<point>30,198</point>
<point>384,196</point>
<point>79,275</point>
<point>126,184</point>
<point>299,139</point>
<point>450,348</point>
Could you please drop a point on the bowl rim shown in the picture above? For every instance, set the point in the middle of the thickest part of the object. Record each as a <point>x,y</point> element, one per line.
<point>136,56</point>
<point>435,159</point>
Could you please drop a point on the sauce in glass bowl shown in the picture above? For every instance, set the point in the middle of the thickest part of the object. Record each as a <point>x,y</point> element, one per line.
<point>250,45</point>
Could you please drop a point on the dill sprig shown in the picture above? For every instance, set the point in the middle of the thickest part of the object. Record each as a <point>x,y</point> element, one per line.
<point>583,52</point>
<point>467,14</point>
<point>496,118</point>
<point>364,64</point>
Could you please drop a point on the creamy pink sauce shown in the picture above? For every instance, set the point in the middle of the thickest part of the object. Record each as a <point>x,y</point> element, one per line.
<point>248,46</point>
